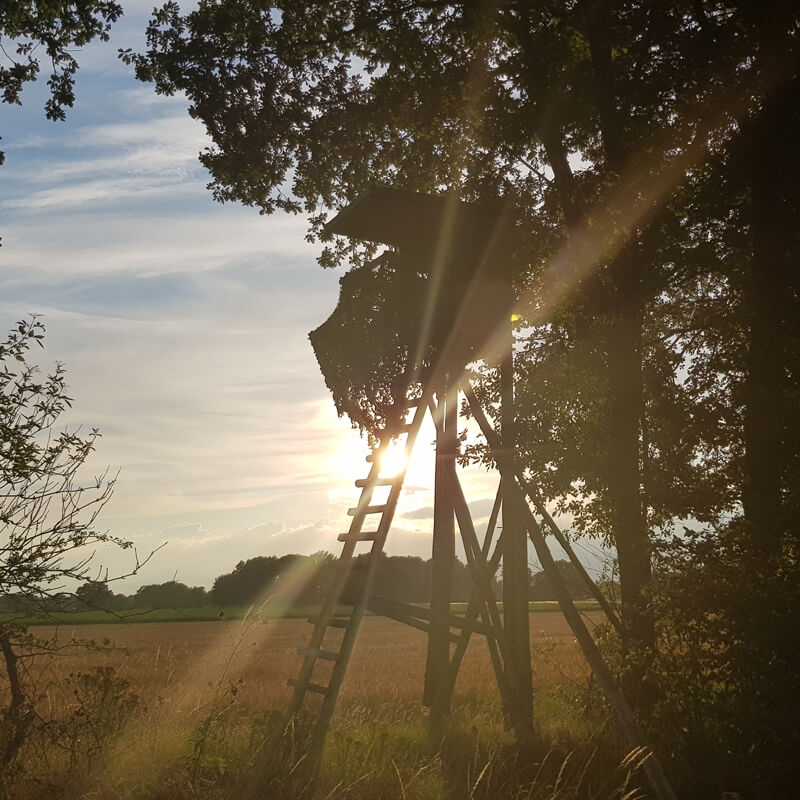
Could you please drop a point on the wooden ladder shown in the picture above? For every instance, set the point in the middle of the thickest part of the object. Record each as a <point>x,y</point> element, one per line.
<point>339,654</point>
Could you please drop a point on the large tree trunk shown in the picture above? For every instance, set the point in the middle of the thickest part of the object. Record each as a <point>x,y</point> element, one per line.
<point>442,561</point>
<point>624,466</point>
<point>516,616</point>
<point>624,351</point>
<point>773,270</point>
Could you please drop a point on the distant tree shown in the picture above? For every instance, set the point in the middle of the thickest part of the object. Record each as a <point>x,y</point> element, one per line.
<point>171,594</point>
<point>541,586</point>
<point>30,28</point>
<point>250,580</point>
<point>408,579</point>
<point>312,586</point>
<point>95,594</point>
<point>47,515</point>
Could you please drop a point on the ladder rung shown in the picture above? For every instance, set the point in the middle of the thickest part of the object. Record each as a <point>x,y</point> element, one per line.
<point>310,652</point>
<point>366,510</point>
<point>361,536</point>
<point>333,622</point>
<point>412,402</point>
<point>362,482</point>
<point>308,687</point>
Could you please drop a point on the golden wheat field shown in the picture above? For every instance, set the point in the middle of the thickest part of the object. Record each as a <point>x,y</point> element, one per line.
<point>177,663</point>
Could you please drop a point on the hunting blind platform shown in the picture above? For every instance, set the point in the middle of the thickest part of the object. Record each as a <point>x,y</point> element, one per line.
<point>396,348</point>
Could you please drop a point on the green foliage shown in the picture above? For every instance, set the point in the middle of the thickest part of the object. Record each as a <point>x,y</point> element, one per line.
<point>727,664</point>
<point>301,581</point>
<point>95,594</point>
<point>717,692</point>
<point>657,371</point>
<point>54,28</point>
<point>250,581</point>
<point>171,594</point>
<point>614,132</point>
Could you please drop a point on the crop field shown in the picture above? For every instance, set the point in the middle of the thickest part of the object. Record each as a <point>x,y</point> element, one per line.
<point>178,661</point>
<point>176,709</point>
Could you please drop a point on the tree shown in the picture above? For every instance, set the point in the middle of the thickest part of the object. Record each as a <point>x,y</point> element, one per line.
<point>171,594</point>
<point>641,146</point>
<point>47,515</point>
<point>250,580</point>
<point>57,26</point>
<point>95,594</point>
<point>541,585</point>
<point>604,124</point>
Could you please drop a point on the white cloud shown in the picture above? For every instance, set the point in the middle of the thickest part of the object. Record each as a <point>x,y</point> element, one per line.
<point>176,129</point>
<point>97,192</point>
<point>140,241</point>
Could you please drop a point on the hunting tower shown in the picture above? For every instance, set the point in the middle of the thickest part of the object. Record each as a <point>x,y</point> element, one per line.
<point>396,348</point>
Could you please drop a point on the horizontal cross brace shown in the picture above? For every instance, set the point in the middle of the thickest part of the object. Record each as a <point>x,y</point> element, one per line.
<point>362,482</point>
<point>385,605</point>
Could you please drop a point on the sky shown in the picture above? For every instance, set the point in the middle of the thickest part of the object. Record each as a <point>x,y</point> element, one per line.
<point>183,327</point>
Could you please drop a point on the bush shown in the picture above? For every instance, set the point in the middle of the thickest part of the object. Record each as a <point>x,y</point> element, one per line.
<point>726,668</point>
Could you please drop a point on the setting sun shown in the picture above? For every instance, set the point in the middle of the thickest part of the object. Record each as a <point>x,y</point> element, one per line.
<point>393,459</point>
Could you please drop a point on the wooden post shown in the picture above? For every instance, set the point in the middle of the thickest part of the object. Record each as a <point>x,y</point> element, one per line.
<point>443,555</point>
<point>516,619</point>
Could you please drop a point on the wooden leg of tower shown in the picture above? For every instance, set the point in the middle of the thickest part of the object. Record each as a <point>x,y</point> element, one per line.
<point>474,608</point>
<point>482,574</point>
<point>515,567</point>
<point>443,556</point>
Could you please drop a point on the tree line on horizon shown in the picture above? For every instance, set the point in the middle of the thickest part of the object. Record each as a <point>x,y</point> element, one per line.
<point>297,579</point>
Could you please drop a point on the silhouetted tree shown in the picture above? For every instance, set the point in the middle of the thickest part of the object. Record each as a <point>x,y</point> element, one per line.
<point>95,594</point>
<point>250,580</point>
<point>541,587</point>
<point>55,28</point>
<point>649,152</point>
<point>171,594</point>
<point>596,119</point>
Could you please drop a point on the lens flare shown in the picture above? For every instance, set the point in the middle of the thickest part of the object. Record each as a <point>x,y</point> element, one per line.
<point>393,460</point>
